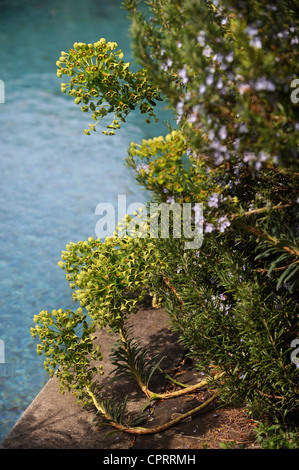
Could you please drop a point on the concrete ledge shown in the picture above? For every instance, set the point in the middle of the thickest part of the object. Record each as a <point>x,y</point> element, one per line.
<point>56,421</point>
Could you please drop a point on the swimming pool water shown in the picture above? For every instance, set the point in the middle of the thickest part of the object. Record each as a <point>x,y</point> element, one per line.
<point>52,174</point>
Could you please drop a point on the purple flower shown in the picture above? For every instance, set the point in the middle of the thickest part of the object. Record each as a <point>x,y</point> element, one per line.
<point>142,167</point>
<point>223,223</point>
<point>222,132</point>
<point>183,75</point>
<point>180,107</point>
<point>219,84</point>
<point>256,42</point>
<point>207,51</point>
<point>209,79</point>
<point>249,156</point>
<point>209,228</point>
<point>243,128</point>
<point>229,57</point>
<point>251,31</point>
<point>264,84</point>
<point>170,200</point>
<point>201,38</point>
<point>213,200</point>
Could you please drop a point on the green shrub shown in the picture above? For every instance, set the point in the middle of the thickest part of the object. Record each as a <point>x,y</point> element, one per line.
<point>227,69</point>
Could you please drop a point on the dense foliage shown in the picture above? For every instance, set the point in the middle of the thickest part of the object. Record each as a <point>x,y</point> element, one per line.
<point>228,70</point>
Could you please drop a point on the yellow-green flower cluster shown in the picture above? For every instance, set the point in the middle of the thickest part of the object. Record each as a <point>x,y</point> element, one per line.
<point>166,169</point>
<point>163,157</point>
<point>104,275</point>
<point>67,343</point>
<point>102,83</point>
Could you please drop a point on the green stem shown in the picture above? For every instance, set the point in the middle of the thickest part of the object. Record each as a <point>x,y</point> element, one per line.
<point>134,372</point>
<point>171,379</point>
<point>184,391</point>
<point>161,396</point>
<point>155,430</point>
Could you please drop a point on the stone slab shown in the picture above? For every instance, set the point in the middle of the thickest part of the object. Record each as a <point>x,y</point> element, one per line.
<point>55,421</point>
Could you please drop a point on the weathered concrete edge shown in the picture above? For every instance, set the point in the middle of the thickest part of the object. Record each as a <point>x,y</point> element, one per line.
<point>56,421</point>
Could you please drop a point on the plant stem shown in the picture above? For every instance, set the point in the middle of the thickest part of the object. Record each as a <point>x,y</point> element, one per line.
<point>163,427</point>
<point>160,396</point>
<point>133,370</point>
<point>171,379</point>
<point>262,209</point>
<point>178,393</point>
<point>259,233</point>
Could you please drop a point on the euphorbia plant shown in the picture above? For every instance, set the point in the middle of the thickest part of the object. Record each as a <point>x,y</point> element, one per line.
<point>109,279</point>
<point>102,83</point>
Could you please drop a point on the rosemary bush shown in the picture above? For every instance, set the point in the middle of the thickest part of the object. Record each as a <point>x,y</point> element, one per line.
<point>226,67</point>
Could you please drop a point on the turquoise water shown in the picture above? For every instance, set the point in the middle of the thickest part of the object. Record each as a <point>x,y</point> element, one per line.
<point>52,174</point>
